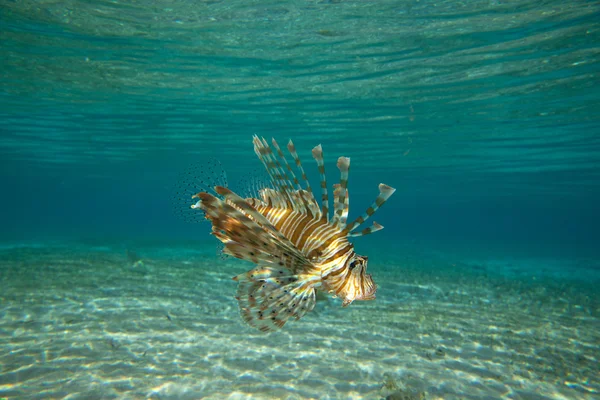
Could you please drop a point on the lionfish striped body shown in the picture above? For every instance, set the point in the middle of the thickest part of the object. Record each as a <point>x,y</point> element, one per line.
<point>296,245</point>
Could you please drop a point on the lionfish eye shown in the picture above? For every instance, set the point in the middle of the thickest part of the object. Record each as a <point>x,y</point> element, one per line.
<point>354,264</point>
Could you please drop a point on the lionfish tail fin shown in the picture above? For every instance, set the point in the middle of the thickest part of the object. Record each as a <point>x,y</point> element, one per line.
<point>268,297</point>
<point>385,192</point>
<point>317,154</point>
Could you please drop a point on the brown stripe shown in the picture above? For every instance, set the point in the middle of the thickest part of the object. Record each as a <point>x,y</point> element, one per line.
<point>288,220</point>
<point>337,272</point>
<point>298,231</point>
<point>307,235</point>
<point>343,250</point>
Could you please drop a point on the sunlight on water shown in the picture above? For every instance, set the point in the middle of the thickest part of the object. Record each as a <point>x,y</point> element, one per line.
<point>483,114</point>
<point>471,87</point>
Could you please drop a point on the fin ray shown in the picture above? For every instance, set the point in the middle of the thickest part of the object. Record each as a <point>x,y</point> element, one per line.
<point>340,194</point>
<point>268,297</point>
<point>385,192</point>
<point>317,153</point>
<point>246,233</point>
<point>292,150</point>
<point>367,231</point>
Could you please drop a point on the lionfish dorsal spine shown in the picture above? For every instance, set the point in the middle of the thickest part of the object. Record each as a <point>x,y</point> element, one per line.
<point>340,194</point>
<point>279,172</point>
<point>292,149</point>
<point>385,192</point>
<point>266,156</point>
<point>287,164</point>
<point>306,208</point>
<point>283,195</point>
<point>317,154</point>
<point>367,231</point>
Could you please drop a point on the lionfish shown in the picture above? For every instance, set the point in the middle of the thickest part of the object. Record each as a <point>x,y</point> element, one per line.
<point>294,242</point>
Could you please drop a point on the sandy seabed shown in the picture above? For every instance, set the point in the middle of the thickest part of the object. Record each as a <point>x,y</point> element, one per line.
<point>93,322</point>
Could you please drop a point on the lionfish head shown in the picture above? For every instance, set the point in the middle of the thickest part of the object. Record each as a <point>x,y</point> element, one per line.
<point>359,285</point>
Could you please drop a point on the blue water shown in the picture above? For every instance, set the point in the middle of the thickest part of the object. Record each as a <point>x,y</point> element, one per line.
<point>482,114</point>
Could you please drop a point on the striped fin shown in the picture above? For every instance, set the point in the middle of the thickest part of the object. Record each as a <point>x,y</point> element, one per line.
<point>282,241</point>
<point>266,156</point>
<point>287,165</point>
<point>243,206</point>
<point>345,210</point>
<point>254,240</point>
<point>283,195</point>
<point>367,231</point>
<point>340,210</point>
<point>317,153</point>
<point>340,193</point>
<point>280,173</point>
<point>271,198</point>
<point>268,297</point>
<point>304,202</point>
<point>385,192</point>
<point>292,150</point>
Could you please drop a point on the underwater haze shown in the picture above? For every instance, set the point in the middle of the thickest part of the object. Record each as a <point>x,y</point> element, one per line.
<point>483,115</point>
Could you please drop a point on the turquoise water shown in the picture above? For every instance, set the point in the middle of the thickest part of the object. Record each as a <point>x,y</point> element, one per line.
<point>482,114</point>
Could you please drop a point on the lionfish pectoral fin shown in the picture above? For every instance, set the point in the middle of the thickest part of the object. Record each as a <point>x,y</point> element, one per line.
<point>246,233</point>
<point>268,297</point>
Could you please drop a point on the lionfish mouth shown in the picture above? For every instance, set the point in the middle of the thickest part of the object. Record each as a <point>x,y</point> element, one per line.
<point>367,288</point>
<point>357,285</point>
